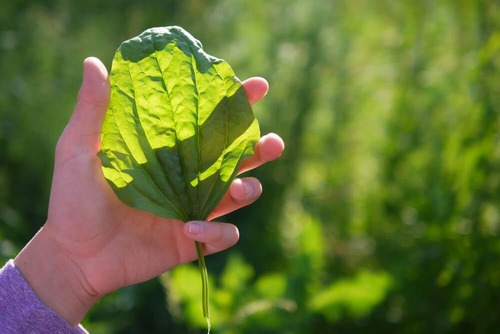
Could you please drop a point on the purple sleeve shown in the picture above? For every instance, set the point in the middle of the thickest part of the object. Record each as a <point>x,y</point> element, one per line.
<point>22,312</point>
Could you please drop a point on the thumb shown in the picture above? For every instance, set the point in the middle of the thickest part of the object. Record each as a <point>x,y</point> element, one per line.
<point>84,128</point>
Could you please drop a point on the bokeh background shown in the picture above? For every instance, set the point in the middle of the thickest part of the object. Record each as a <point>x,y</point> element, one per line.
<point>382,216</point>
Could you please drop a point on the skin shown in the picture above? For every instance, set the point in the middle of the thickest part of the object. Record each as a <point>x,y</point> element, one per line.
<point>91,243</point>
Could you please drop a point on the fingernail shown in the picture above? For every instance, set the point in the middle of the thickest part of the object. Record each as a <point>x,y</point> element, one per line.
<point>248,189</point>
<point>194,228</point>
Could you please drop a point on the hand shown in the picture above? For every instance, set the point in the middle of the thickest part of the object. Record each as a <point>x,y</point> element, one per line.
<point>92,243</point>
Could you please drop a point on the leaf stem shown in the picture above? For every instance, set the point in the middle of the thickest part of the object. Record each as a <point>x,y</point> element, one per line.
<point>204,283</point>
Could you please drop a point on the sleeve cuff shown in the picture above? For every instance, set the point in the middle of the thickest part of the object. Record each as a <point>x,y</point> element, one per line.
<point>22,312</point>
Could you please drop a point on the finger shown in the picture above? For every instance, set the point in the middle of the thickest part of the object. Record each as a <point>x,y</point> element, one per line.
<point>268,148</point>
<point>84,128</point>
<point>214,236</point>
<point>242,192</point>
<point>256,88</point>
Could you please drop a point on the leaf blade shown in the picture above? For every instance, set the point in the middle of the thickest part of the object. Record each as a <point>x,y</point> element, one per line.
<point>178,126</point>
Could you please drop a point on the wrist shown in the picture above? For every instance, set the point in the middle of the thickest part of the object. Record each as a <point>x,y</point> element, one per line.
<point>55,278</point>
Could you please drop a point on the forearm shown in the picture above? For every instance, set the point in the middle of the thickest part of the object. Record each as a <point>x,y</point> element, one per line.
<point>54,278</point>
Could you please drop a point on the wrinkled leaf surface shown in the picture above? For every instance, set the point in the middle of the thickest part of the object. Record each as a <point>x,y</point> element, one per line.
<point>177,127</point>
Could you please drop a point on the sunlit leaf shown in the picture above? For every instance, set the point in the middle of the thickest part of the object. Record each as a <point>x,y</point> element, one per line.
<point>178,125</point>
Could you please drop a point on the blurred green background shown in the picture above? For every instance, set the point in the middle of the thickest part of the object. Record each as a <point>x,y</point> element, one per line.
<point>383,214</point>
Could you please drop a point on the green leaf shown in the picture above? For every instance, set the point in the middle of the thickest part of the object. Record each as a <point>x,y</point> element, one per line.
<point>177,128</point>
<point>358,295</point>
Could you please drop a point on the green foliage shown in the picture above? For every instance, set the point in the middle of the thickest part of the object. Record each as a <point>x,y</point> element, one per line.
<point>357,296</point>
<point>177,127</point>
<point>235,299</point>
<point>390,113</point>
<point>245,304</point>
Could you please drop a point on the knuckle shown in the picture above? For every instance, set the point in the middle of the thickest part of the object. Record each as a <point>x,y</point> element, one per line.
<point>67,148</point>
<point>93,103</point>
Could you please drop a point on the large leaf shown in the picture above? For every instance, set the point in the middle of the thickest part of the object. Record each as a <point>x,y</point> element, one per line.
<point>177,127</point>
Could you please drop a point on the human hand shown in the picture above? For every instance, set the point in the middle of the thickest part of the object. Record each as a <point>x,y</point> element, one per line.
<point>92,243</point>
